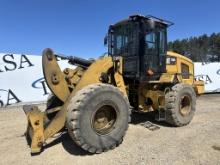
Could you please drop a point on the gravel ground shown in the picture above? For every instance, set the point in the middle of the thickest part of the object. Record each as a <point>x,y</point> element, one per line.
<point>196,143</point>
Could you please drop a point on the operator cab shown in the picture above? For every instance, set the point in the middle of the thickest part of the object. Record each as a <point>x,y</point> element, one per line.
<point>142,42</point>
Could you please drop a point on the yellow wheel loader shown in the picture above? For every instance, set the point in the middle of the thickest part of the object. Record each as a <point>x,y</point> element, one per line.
<point>93,101</point>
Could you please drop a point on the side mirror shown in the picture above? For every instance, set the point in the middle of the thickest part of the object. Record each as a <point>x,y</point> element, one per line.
<point>106,40</point>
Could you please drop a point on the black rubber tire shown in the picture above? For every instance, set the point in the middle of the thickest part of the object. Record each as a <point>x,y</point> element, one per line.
<point>80,111</point>
<point>173,101</point>
<point>52,102</point>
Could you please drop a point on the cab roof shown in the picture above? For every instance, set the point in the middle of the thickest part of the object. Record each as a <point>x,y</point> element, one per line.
<point>148,17</point>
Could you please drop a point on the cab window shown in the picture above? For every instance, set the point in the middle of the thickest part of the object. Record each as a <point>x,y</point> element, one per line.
<point>170,60</point>
<point>162,34</point>
<point>150,40</point>
<point>185,71</point>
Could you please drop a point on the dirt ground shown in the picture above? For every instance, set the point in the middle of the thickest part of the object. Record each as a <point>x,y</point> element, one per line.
<point>196,143</point>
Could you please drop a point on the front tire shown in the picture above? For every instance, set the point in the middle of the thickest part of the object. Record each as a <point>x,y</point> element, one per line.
<point>180,105</point>
<point>97,117</point>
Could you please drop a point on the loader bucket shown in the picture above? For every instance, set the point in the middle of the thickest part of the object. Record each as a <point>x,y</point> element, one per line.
<point>35,127</point>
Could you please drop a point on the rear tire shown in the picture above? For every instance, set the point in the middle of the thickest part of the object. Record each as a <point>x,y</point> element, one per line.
<point>98,117</point>
<point>180,105</point>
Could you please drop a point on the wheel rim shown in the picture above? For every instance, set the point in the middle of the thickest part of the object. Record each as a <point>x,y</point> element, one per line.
<point>185,105</point>
<point>104,119</point>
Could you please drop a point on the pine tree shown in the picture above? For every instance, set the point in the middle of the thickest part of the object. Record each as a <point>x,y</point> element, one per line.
<point>200,49</point>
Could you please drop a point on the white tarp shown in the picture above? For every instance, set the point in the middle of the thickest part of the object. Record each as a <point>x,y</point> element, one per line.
<point>210,74</point>
<point>21,78</point>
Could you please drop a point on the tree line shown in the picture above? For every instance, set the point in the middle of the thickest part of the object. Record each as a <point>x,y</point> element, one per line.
<point>204,48</point>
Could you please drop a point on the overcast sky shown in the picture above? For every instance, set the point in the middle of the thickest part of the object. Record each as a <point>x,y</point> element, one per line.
<point>78,26</point>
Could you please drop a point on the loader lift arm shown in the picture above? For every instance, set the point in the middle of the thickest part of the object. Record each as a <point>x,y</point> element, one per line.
<point>37,130</point>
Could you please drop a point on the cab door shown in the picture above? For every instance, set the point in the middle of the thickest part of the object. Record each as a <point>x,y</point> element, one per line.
<point>154,54</point>
<point>126,44</point>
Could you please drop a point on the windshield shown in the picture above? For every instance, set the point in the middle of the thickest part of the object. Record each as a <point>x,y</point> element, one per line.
<point>121,42</point>
<point>124,40</point>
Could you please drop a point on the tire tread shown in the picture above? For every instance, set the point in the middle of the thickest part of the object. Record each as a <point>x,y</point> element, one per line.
<point>72,116</point>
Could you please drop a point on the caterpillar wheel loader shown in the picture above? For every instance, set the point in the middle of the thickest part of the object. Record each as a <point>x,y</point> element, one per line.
<point>93,101</point>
